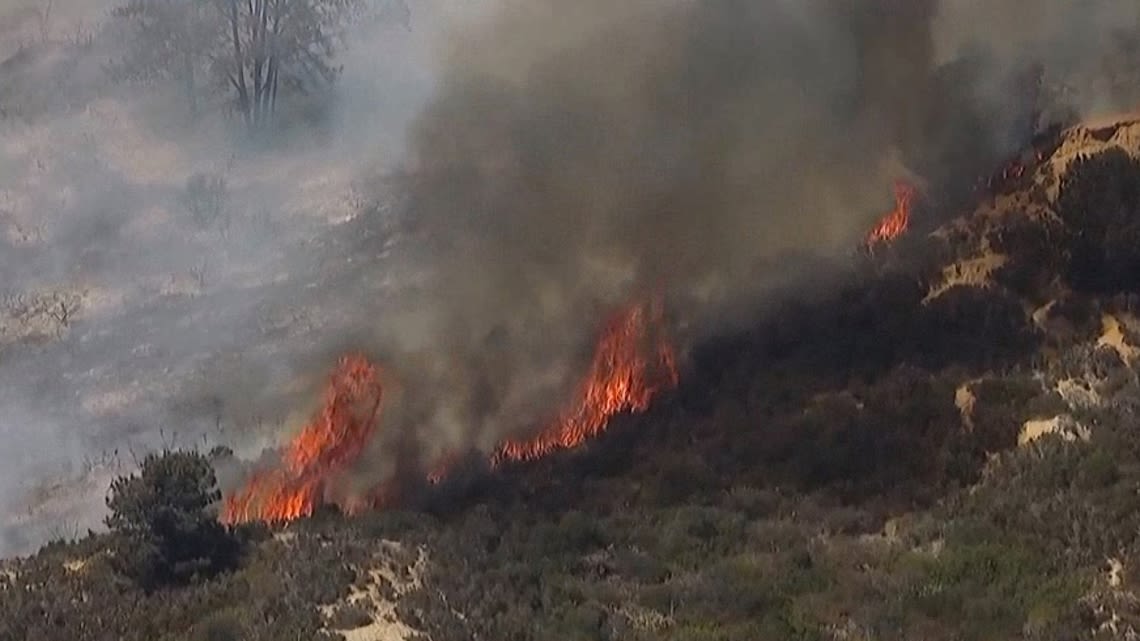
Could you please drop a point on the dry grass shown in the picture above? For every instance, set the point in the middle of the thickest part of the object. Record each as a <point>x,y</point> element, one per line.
<point>1061,425</point>
<point>965,401</point>
<point>1112,335</point>
<point>971,272</point>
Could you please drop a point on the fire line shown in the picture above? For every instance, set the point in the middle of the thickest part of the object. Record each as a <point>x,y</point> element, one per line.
<point>328,445</point>
<point>632,362</point>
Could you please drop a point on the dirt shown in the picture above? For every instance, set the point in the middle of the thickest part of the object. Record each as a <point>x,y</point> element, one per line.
<point>385,626</point>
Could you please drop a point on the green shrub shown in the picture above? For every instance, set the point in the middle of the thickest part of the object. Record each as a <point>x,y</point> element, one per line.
<point>166,534</point>
<point>1097,470</point>
<point>225,625</point>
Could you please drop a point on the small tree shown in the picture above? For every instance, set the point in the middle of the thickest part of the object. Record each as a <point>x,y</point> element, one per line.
<point>255,50</point>
<point>162,515</point>
<point>171,40</point>
<point>275,44</point>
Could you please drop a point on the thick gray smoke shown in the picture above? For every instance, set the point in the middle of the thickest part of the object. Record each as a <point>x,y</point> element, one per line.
<point>574,156</point>
<point>581,155</point>
<point>178,330</point>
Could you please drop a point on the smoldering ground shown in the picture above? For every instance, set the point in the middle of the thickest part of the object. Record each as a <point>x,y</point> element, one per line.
<point>578,156</point>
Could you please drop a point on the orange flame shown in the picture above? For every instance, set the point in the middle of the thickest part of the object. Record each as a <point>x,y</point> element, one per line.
<point>895,223</point>
<point>1016,169</point>
<point>443,468</point>
<point>329,444</point>
<point>631,363</point>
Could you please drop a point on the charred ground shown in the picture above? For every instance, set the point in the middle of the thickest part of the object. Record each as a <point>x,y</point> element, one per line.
<point>940,445</point>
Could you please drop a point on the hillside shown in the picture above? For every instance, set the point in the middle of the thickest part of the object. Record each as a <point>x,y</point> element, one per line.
<point>941,445</point>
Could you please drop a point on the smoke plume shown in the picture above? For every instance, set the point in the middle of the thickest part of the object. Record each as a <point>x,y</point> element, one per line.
<point>580,155</point>
<point>563,159</point>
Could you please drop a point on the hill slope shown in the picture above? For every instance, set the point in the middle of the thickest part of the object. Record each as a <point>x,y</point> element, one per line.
<point>943,446</point>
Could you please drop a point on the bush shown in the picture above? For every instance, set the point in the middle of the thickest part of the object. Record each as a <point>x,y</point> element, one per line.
<point>349,617</point>
<point>221,626</point>
<point>165,532</point>
<point>1097,471</point>
<point>205,198</point>
<point>1099,201</point>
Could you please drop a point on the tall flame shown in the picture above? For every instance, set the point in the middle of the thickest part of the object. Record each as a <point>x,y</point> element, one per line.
<point>631,363</point>
<point>895,223</point>
<point>329,444</point>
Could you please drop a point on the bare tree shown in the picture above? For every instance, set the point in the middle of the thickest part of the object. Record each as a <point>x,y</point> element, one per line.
<point>279,43</point>
<point>171,40</point>
<point>43,20</point>
<point>254,49</point>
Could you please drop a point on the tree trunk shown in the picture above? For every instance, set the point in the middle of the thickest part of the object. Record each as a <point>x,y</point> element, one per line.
<point>239,62</point>
<point>273,96</point>
<point>274,63</point>
<point>257,50</point>
<point>189,85</point>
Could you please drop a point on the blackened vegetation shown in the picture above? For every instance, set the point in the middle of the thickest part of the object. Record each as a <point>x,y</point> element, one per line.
<point>1017,172</point>
<point>1035,251</point>
<point>699,518</point>
<point>1100,204</point>
<point>702,518</point>
<point>808,480</point>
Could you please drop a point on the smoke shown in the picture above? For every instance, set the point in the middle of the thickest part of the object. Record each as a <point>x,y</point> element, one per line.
<point>561,159</point>
<point>577,156</point>
<point>183,333</point>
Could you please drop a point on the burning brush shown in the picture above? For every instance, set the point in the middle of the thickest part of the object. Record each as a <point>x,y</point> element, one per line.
<point>330,444</point>
<point>632,362</point>
<point>896,222</point>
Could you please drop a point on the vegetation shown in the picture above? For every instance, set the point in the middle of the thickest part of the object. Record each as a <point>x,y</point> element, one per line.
<point>1100,202</point>
<point>254,51</point>
<point>850,467</point>
<point>165,533</point>
<point>205,198</point>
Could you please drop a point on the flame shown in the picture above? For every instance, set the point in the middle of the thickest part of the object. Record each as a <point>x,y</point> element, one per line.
<point>895,223</point>
<point>631,363</point>
<point>1016,169</point>
<point>332,441</point>
<point>443,468</point>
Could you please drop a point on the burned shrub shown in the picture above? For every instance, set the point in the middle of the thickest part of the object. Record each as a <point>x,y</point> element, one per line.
<point>973,328</point>
<point>1099,202</point>
<point>1000,407</point>
<point>1081,313</point>
<point>1034,255</point>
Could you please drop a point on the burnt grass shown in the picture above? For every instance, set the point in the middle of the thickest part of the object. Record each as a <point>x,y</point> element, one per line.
<point>811,478</point>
